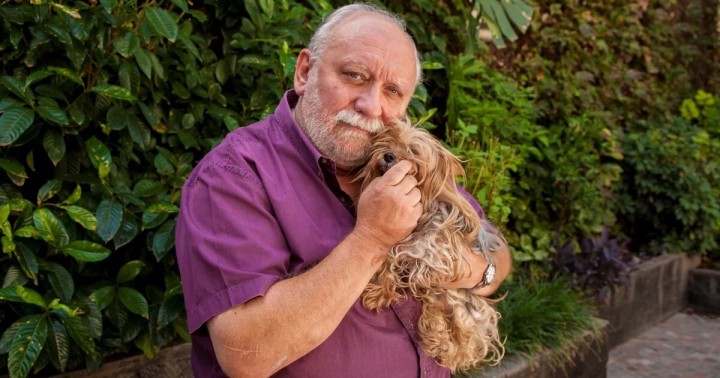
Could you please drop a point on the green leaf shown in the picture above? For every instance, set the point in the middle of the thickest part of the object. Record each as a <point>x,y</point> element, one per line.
<point>164,239</point>
<point>147,188</point>
<point>162,22</point>
<point>50,228</point>
<point>60,279</point>
<point>133,301</point>
<point>127,232</point>
<point>156,213</point>
<point>103,296</point>
<point>14,167</point>
<point>75,196</point>
<point>170,309</point>
<point>68,74</point>
<point>267,7</point>
<point>36,76</point>
<point>108,4</point>
<point>10,294</point>
<point>99,156</point>
<point>182,4</point>
<point>9,335</point>
<point>80,333</point>
<point>109,215</point>
<point>85,250</point>
<point>27,260</point>
<point>230,122</point>
<point>114,91</point>
<point>500,18</point>
<point>163,164</point>
<point>16,87</point>
<point>127,44</point>
<point>27,344</point>
<point>48,109</point>
<point>54,145</point>
<point>26,232</point>
<point>117,118</point>
<point>129,271</point>
<point>13,123</point>
<point>83,216</point>
<point>517,11</point>
<point>145,343</point>
<point>58,344</point>
<point>30,296</point>
<point>67,10</point>
<point>142,57</point>
<point>139,133</point>
<point>49,190</point>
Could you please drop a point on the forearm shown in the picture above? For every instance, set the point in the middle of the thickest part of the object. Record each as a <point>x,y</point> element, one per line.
<point>296,314</point>
<point>474,268</point>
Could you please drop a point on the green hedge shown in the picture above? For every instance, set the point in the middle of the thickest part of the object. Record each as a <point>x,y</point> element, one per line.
<point>106,106</point>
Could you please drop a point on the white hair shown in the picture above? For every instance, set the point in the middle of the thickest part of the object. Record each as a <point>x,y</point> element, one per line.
<point>321,38</point>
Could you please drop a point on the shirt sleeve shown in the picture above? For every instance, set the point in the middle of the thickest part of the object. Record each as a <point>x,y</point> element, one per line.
<point>229,245</point>
<point>474,203</point>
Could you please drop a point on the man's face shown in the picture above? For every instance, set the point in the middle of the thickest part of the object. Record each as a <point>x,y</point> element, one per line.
<point>364,79</point>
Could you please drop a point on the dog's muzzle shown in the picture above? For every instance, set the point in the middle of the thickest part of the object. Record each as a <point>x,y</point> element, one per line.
<point>389,159</point>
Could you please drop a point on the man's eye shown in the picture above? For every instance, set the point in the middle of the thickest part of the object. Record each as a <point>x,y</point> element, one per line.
<point>354,75</point>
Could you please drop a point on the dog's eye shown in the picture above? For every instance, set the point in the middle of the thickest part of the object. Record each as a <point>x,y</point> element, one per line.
<point>389,157</point>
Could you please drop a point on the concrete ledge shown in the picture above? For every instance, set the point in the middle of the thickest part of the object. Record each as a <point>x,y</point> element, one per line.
<point>589,356</point>
<point>704,289</point>
<point>654,292</point>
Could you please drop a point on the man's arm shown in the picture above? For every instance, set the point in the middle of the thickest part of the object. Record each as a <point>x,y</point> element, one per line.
<point>476,268</point>
<point>297,314</point>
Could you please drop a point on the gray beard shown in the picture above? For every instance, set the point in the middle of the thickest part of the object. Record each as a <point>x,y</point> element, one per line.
<point>345,147</point>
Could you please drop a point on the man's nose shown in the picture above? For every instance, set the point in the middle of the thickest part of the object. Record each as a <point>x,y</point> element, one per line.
<point>369,103</point>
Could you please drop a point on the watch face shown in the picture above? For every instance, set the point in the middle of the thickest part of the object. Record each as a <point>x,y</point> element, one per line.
<point>490,274</point>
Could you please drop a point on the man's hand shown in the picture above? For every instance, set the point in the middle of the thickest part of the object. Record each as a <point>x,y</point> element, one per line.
<point>389,208</point>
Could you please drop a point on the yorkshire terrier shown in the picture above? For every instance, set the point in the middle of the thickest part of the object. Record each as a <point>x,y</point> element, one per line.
<point>458,328</point>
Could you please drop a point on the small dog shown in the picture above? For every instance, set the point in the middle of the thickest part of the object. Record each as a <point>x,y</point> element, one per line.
<point>457,327</point>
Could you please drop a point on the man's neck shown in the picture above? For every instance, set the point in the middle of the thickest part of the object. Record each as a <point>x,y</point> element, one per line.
<point>345,179</point>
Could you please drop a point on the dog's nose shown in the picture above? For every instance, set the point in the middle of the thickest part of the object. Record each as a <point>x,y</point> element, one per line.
<point>389,157</point>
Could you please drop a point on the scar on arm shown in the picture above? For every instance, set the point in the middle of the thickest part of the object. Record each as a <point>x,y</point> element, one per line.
<point>253,349</point>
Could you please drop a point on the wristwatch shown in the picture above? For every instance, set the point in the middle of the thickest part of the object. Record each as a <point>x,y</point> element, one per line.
<point>489,274</point>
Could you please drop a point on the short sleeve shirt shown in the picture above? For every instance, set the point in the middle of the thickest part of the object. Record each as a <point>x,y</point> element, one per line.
<point>265,205</point>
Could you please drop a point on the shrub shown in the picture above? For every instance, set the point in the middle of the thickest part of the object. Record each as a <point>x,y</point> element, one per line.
<point>670,201</point>
<point>100,104</point>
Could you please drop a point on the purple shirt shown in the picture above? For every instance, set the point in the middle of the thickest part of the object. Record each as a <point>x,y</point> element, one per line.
<point>265,205</point>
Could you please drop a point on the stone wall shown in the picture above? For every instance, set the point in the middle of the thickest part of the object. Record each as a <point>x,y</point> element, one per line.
<point>656,291</point>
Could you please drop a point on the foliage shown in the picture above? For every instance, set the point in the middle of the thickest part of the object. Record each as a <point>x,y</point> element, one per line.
<point>106,106</point>
<point>99,104</point>
<point>670,201</point>
<point>598,265</point>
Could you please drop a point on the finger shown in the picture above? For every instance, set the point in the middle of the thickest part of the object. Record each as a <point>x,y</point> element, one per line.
<point>397,172</point>
<point>407,184</point>
<point>415,196</point>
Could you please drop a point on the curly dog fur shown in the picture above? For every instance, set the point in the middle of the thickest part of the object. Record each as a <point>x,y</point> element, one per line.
<point>457,327</point>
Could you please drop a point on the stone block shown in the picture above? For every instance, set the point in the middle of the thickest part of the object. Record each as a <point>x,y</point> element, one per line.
<point>704,289</point>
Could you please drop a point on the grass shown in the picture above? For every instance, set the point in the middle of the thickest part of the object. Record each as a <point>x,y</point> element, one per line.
<point>544,315</point>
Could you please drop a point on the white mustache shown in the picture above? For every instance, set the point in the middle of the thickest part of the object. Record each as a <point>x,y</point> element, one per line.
<point>371,125</point>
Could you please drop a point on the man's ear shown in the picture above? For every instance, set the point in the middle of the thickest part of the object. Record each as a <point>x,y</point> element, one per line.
<point>302,71</point>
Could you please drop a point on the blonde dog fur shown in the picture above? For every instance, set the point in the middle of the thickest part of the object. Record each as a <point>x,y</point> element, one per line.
<point>457,327</point>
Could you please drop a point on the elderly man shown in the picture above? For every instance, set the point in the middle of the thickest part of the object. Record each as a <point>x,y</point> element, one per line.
<point>272,251</point>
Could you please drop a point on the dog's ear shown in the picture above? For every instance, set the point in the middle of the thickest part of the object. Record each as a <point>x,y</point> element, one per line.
<point>438,167</point>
